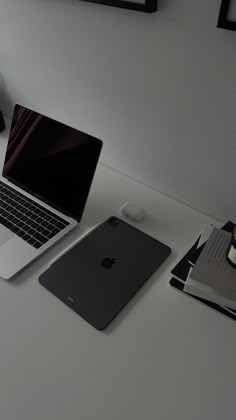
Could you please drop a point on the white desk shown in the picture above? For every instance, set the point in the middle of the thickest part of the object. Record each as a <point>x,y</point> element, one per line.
<point>165,356</point>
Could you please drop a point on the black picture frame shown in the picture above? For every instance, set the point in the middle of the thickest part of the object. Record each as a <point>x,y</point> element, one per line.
<point>224,21</point>
<point>2,122</point>
<point>149,6</point>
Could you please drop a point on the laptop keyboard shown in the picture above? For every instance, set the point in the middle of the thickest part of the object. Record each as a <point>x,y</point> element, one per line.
<point>26,219</point>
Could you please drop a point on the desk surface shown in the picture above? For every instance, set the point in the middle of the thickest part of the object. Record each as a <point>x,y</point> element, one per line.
<point>165,356</point>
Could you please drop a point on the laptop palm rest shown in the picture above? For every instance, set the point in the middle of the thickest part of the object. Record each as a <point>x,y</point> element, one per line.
<point>5,235</point>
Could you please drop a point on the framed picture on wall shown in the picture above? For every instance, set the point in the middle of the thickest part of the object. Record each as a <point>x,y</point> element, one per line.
<point>227,16</point>
<point>148,6</point>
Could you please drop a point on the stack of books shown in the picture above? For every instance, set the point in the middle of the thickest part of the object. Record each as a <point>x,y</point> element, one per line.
<point>204,272</point>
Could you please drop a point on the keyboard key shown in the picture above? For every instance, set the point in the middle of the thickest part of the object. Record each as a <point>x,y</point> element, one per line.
<point>34,225</point>
<point>32,208</point>
<point>38,219</point>
<point>48,226</point>
<point>28,213</point>
<point>20,233</point>
<point>26,228</point>
<point>40,228</point>
<point>26,237</point>
<point>60,225</point>
<point>45,232</point>
<point>18,207</point>
<point>10,218</point>
<point>20,224</point>
<point>14,229</point>
<point>14,220</point>
<point>27,220</point>
<point>37,244</point>
<point>32,241</point>
<point>40,238</point>
<point>53,233</point>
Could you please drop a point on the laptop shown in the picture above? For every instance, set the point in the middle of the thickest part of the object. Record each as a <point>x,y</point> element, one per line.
<point>100,274</point>
<point>46,178</point>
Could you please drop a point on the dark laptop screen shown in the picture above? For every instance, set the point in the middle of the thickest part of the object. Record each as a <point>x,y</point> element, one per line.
<point>51,160</point>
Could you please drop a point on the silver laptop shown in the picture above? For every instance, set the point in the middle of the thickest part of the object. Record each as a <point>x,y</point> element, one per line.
<point>46,177</point>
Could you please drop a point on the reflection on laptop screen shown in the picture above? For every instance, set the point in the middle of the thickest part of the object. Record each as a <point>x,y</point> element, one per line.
<point>51,160</point>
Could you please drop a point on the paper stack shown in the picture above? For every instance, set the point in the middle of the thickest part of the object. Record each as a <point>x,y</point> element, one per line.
<point>212,277</point>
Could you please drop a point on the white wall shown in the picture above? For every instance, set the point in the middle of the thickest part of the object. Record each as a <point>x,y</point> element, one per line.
<point>159,89</point>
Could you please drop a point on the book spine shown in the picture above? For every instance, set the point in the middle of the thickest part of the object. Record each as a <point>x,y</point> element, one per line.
<point>2,122</point>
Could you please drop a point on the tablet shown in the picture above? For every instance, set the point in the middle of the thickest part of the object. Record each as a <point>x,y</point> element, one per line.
<point>100,274</point>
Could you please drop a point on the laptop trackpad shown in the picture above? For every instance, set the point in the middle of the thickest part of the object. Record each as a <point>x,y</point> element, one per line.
<point>5,235</point>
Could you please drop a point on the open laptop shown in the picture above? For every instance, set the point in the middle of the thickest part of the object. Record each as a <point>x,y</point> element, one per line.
<point>47,174</point>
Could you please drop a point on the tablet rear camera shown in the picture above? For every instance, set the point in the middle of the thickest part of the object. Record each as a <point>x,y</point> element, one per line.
<point>114,221</point>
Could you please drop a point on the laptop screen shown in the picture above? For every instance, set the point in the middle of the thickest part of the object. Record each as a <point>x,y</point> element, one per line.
<point>51,160</point>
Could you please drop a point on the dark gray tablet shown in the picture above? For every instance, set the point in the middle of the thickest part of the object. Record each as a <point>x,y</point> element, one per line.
<point>100,274</point>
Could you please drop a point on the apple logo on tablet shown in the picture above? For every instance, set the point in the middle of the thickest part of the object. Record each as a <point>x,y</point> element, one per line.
<point>107,263</point>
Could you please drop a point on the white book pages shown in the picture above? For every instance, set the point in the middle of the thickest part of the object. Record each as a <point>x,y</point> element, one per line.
<point>213,269</point>
<point>195,288</point>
